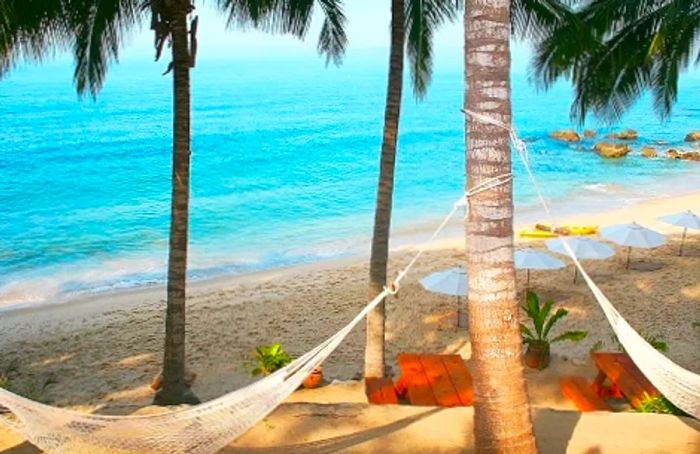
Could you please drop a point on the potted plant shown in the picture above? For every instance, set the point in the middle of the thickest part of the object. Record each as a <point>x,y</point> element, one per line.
<point>266,359</point>
<point>537,339</point>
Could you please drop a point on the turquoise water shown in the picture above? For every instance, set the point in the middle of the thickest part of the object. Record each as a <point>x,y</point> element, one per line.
<point>284,168</point>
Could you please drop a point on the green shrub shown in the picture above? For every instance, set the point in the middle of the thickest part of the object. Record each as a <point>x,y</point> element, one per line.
<point>266,359</point>
<point>4,381</point>
<point>659,404</point>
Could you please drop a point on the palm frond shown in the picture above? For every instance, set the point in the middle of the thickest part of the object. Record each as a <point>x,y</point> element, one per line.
<point>537,18</point>
<point>31,30</point>
<point>291,17</point>
<point>615,50</point>
<point>423,18</point>
<point>100,28</point>
<point>332,40</point>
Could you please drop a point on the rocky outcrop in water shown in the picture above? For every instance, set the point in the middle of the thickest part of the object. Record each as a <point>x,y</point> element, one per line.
<point>612,150</point>
<point>692,136</point>
<point>589,134</point>
<point>627,134</point>
<point>673,154</point>
<point>566,135</point>
<point>684,156</point>
<point>691,156</point>
<point>649,152</point>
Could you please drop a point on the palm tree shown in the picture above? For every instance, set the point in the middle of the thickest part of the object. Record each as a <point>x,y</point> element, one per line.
<point>502,421</point>
<point>95,29</point>
<point>413,24</point>
<point>615,50</point>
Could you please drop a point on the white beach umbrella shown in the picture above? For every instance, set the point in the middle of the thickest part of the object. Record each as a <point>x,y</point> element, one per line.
<point>583,247</point>
<point>531,259</point>
<point>451,282</point>
<point>685,219</point>
<point>632,235</point>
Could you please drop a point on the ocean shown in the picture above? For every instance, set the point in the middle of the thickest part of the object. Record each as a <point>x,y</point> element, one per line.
<point>284,168</point>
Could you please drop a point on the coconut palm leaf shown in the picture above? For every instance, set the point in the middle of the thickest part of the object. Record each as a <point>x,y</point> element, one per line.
<point>101,28</point>
<point>423,18</point>
<point>536,18</point>
<point>292,17</point>
<point>615,50</point>
<point>29,29</point>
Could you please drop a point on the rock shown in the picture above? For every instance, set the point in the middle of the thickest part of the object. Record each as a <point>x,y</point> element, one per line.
<point>566,135</point>
<point>588,133</point>
<point>672,154</point>
<point>691,156</point>
<point>692,136</point>
<point>612,150</point>
<point>627,134</point>
<point>649,152</point>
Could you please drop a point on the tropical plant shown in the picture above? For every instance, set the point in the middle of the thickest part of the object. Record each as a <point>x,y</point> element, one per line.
<point>543,320</point>
<point>615,50</point>
<point>658,404</point>
<point>96,30</point>
<point>266,359</point>
<point>413,23</point>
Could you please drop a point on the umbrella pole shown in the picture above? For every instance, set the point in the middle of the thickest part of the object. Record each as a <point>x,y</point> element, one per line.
<point>629,251</point>
<point>527,286</point>
<point>460,310</point>
<point>685,231</point>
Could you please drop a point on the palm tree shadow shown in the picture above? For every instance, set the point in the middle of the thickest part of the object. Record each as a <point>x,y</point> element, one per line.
<point>335,444</point>
<point>23,448</point>
<point>555,441</point>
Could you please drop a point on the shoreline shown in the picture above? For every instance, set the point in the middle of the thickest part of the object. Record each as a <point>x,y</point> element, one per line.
<point>101,352</point>
<point>592,201</point>
<point>403,240</point>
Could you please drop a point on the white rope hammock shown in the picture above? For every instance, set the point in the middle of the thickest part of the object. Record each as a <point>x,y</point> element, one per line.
<point>202,429</point>
<point>677,384</point>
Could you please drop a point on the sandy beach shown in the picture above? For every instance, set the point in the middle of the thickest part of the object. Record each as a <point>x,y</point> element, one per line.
<point>99,353</point>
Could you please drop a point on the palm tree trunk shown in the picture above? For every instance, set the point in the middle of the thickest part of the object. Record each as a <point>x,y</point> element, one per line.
<point>374,351</point>
<point>502,418</point>
<point>174,390</point>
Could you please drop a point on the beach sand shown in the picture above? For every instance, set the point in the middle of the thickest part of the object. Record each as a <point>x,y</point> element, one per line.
<point>100,353</point>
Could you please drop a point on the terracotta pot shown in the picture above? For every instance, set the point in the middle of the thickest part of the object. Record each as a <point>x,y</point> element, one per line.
<point>314,379</point>
<point>537,355</point>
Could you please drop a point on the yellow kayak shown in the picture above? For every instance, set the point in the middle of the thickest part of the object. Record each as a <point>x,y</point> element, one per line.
<point>530,233</point>
<point>569,229</point>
